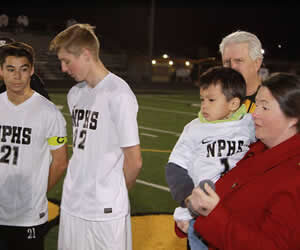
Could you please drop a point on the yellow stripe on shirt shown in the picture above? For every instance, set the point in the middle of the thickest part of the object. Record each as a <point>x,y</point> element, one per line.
<point>250,106</point>
<point>55,141</point>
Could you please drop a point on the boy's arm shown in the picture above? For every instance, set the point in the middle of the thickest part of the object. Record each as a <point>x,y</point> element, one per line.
<point>180,183</point>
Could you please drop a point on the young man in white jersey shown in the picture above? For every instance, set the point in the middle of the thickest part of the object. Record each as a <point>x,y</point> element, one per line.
<point>36,83</point>
<point>213,143</point>
<point>33,152</point>
<point>106,156</point>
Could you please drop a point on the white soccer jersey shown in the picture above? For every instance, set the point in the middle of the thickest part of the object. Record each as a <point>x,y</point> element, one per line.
<point>25,158</point>
<point>206,150</point>
<point>104,120</point>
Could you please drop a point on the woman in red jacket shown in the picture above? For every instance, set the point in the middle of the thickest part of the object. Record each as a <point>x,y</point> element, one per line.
<point>257,204</point>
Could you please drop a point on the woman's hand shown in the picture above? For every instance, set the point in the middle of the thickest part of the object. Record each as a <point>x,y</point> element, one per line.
<point>201,202</point>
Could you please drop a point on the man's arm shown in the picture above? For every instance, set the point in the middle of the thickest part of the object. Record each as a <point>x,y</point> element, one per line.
<point>58,166</point>
<point>132,164</point>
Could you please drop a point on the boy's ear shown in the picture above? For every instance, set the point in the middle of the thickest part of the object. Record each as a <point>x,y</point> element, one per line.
<point>293,122</point>
<point>32,70</point>
<point>235,103</point>
<point>86,53</point>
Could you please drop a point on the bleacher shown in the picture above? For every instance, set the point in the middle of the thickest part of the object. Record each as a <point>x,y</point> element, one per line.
<point>47,65</point>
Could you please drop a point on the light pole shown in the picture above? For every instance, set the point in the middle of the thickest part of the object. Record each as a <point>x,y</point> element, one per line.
<point>151,33</point>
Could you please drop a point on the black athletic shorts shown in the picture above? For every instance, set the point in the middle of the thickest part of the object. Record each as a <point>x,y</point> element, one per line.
<point>22,238</point>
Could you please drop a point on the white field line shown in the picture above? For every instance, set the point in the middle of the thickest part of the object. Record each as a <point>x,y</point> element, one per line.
<point>60,107</point>
<point>159,96</point>
<point>160,130</point>
<point>168,99</point>
<point>160,110</point>
<point>146,128</point>
<point>168,111</point>
<point>150,135</point>
<point>153,185</point>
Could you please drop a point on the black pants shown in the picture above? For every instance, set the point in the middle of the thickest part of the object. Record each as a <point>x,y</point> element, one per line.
<point>22,238</point>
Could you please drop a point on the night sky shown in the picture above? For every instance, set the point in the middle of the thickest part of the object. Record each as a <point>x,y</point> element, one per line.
<point>181,28</point>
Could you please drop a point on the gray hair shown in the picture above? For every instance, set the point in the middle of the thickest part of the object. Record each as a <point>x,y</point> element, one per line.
<point>254,45</point>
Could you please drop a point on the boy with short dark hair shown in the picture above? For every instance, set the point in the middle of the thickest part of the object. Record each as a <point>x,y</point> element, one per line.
<point>211,144</point>
<point>36,83</point>
<point>33,152</point>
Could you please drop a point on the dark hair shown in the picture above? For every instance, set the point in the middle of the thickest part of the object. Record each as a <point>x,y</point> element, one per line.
<point>6,40</point>
<point>17,49</point>
<point>231,81</point>
<point>285,88</point>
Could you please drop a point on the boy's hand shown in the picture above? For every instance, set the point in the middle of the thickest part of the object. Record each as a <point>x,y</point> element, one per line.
<point>183,225</point>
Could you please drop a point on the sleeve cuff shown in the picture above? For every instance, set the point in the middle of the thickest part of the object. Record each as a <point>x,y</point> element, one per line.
<point>179,233</point>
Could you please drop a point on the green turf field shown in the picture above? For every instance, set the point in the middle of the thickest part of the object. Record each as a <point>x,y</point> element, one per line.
<point>161,119</point>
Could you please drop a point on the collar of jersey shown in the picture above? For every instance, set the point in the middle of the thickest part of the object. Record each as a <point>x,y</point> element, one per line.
<point>237,115</point>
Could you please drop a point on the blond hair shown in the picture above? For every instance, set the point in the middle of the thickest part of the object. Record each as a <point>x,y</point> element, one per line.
<point>76,37</point>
